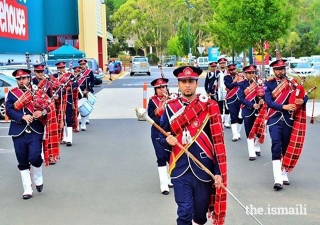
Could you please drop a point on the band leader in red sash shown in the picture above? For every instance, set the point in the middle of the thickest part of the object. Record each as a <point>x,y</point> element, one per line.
<point>194,120</point>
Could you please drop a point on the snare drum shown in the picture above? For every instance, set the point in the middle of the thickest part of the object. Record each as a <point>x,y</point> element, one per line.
<point>91,98</point>
<point>84,107</point>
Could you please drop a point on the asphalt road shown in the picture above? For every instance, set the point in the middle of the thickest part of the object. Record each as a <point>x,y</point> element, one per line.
<point>109,175</point>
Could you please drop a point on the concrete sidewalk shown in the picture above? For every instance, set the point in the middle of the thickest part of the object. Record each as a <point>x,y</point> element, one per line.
<point>114,76</point>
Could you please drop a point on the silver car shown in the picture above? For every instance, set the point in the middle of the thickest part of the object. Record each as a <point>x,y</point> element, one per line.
<point>140,64</point>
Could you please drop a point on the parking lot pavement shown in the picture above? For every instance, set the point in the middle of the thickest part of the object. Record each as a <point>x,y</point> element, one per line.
<point>114,76</point>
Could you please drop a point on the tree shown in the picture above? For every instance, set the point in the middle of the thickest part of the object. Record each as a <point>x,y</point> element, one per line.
<point>174,47</point>
<point>245,23</point>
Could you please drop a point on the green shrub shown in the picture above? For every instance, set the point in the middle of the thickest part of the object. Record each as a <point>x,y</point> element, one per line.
<point>310,82</point>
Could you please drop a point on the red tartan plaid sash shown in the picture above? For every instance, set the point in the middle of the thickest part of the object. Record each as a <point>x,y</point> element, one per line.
<point>250,93</point>
<point>280,99</point>
<point>157,101</point>
<point>18,93</point>
<point>83,76</point>
<point>232,92</point>
<point>259,125</point>
<point>296,142</point>
<point>218,199</point>
<point>75,97</point>
<point>51,145</point>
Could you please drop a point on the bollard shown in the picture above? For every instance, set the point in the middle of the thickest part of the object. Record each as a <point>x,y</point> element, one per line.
<point>6,90</point>
<point>145,98</point>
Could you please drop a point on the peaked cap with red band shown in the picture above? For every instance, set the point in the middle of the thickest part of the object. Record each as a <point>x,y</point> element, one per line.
<point>159,82</point>
<point>82,61</point>
<point>213,64</point>
<point>222,60</point>
<point>278,63</point>
<point>76,68</point>
<point>187,72</point>
<point>38,67</point>
<point>250,68</point>
<point>21,73</point>
<point>61,64</point>
<point>232,66</point>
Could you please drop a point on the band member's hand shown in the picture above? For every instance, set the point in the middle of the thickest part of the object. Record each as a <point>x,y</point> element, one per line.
<point>218,179</point>
<point>37,114</point>
<point>299,101</point>
<point>171,140</point>
<point>28,118</point>
<point>85,92</point>
<point>289,107</point>
<point>56,97</point>
<point>61,125</point>
<point>261,102</point>
<point>256,106</point>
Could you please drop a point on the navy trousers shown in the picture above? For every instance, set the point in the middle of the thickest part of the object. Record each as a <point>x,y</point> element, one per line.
<point>161,154</point>
<point>234,110</point>
<point>28,148</point>
<point>192,197</point>
<point>280,138</point>
<point>69,112</point>
<point>248,123</point>
<point>222,105</point>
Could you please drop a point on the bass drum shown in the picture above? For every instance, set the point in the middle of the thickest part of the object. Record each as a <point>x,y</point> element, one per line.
<point>84,107</point>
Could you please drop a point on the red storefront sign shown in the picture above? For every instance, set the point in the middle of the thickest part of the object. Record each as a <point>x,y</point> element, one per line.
<point>13,20</point>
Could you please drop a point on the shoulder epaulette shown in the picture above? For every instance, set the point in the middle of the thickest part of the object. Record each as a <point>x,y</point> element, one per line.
<point>15,88</point>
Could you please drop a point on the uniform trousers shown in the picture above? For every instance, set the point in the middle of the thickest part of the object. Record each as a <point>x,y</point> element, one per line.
<point>222,106</point>
<point>28,148</point>
<point>280,138</point>
<point>192,197</point>
<point>69,112</point>
<point>234,110</point>
<point>248,123</point>
<point>161,154</point>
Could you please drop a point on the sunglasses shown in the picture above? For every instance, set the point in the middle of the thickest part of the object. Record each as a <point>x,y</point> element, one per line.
<point>39,71</point>
<point>61,67</point>
<point>160,87</point>
<point>21,78</point>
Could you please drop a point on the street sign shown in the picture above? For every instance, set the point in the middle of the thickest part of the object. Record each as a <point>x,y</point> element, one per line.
<point>200,49</point>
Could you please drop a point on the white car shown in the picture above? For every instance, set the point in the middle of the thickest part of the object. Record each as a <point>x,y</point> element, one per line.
<point>316,67</point>
<point>301,68</point>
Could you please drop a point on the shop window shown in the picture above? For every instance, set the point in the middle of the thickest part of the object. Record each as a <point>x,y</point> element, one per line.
<point>52,41</point>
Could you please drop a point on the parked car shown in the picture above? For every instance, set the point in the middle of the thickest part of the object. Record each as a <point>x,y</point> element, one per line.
<point>117,67</point>
<point>8,70</point>
<point>139,64</point>
<point>302,68</point>
<point>170,63</point>
<point>202,62</point>
<point>316,67</point>
<point>5,81</point>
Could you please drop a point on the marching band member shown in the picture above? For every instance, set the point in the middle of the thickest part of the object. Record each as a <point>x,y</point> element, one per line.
<point>231,80</point>
<point>286,142</point>
<point>211,82</point>
<point>251,102</point>
<point>156,107</point>
<point>40,76</point>
<point>86,85</point>
<point>27,129</point>
<point>194,121</point>
<point>225,115</point>
<point>66,106</point>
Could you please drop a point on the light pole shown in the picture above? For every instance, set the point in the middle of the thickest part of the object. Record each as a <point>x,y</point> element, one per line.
<point>189,7</point>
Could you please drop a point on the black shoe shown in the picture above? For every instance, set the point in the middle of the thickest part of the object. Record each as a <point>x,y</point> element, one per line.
<point>87,123</point>
<point>165,192</point>
<point>69,144</point>
<point>285,182</point>
<point>170,185</point>
<point>25,197</point>
<point>52,163</point>
<point>83,129</point>
<point>110,79</point>
<point>234,139</point>
<point>39,187</point>
<point>252,158</point>
<point>258,153</point>
<point>277,186</point>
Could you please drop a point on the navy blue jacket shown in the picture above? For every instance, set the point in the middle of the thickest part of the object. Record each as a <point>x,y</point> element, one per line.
<point>18,125</point>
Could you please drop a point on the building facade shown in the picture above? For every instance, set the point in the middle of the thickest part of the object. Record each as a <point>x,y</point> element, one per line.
<point>41,26</point>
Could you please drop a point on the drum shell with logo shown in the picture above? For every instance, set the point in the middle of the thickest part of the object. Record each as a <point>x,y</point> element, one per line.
<point>85,108</point>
